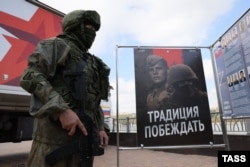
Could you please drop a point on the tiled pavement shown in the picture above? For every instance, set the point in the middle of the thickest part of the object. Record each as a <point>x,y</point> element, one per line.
<point>15,154</point>
<point>150,158</point>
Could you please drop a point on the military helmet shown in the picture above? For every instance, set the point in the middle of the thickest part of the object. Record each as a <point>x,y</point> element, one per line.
<point>76,17</point>
<point>181,72</point>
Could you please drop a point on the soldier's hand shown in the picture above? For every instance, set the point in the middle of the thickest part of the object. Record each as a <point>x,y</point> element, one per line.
<point>70,121</point>
<point>103,138</point>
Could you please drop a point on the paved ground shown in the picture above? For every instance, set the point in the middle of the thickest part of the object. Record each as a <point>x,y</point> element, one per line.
<point>150,158</point>
<point>15,154</point>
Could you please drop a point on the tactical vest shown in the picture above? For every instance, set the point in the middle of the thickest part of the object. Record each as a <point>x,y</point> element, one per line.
<point>95,80</point>
<point>96,74</point>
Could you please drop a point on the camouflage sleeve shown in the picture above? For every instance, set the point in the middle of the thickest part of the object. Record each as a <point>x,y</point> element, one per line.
<point>35,80</point>
<point>100,119</point>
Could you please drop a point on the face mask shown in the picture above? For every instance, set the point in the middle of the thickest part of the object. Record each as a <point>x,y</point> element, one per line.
<point>87,36</point>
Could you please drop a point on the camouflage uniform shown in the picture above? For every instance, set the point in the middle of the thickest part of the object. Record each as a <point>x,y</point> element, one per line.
<point>50,95</point>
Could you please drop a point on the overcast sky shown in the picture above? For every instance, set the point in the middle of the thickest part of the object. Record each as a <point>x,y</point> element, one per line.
<point>154,23</point>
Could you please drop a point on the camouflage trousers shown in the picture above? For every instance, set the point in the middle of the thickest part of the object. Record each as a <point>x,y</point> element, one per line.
<point>38,152</point>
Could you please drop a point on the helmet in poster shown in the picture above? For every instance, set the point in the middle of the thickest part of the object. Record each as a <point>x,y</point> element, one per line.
<point>181,72</point>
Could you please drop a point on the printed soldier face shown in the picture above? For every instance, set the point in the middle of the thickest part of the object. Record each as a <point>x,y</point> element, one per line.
<point>158,73</point>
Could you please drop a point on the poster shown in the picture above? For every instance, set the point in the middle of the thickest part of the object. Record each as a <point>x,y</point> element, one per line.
<point>171,98</point>
<point>232,59</point>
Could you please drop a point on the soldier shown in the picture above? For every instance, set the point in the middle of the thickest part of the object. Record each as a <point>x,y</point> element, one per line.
<point>52,102</point>
<point>183,83</point>
<point>157,96</point>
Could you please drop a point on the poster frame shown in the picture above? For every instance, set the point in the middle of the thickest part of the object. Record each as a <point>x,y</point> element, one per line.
<point>211,145</point>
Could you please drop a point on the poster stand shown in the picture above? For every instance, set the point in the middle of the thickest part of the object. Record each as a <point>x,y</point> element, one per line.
<point>210,145</point>
<point>174,147</point>
<point>223,125</point>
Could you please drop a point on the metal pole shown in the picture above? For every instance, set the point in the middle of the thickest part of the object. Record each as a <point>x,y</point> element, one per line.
<point>174,147</point>
<point>127,124</point>
<point>223,126</point>
<point>117,110</point>
<point>164,47</point>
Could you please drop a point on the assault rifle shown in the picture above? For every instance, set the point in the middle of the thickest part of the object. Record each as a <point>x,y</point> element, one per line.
<point>85,146</point>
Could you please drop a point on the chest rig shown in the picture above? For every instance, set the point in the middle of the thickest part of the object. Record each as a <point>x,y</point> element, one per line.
<point>96,84</point>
